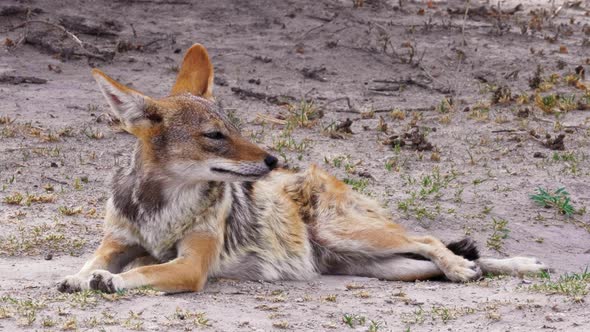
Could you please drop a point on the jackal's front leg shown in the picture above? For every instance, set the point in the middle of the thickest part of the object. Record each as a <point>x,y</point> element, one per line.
<point>112,255</point>
<point>188,272</point>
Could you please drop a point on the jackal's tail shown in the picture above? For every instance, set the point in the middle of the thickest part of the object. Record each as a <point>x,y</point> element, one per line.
<point>466,248</point>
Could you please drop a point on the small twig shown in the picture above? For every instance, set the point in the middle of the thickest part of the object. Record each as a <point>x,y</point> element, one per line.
<point>21,79</point>
<point>273,99</point>
<point>465,20</point>
<point>387,110</point>
<point>410,81</point>
<point>163,2</point>
<point>386,88</point>
<point>507,131</point>
<point>323,19</point>
<point>553,123</point>
<point>154,41</point>
<point>133,29</point>
<point>383,92</point>
<point>267,118</point>
<point>373,54</point>
<point>326,21</point>
<point>348,103</point>
<point>54,180</point>
<point>313,29</point>
<point>556,12</point>
<point>413,109</point>
<point>57,26</point>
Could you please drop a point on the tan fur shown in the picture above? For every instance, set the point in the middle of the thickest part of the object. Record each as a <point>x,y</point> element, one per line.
<point>199,200</point>
<point>196,74</point>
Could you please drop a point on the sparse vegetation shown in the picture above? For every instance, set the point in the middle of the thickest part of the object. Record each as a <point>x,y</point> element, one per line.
<point>500,232</point>
<point>357,184</point>
<point>6,120</point>
<point>305,114</point>
<point>331,298</point>
<point>69,211</point>
<point>198,319</point>
<point>353,320</point>
<point>93,133</point>
<point>14,199</point>
<point>36,239</point>
<point>558,199</point>
<point>442,313</point>
<point>573,285</point>
<point>423,192</point>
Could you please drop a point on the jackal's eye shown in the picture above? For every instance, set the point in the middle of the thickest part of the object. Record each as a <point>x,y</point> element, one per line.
<point>214,135</point>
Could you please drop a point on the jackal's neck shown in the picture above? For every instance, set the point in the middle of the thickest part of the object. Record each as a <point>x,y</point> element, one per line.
<point>144,191</point>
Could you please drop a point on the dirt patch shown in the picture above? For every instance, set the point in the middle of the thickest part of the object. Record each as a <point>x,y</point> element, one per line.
<point>472,92</point>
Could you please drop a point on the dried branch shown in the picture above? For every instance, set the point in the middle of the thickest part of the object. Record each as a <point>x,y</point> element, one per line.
<point>65,31</point>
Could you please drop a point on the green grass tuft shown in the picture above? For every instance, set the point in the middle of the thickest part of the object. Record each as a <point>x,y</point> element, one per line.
<point>559,200</point>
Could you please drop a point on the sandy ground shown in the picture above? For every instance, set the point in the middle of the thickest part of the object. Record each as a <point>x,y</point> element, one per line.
<point>468,86</point>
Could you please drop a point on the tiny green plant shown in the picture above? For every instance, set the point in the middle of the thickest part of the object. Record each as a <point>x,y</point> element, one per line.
<point>93,133</point>
<point>14,199</point>
<point>331,298</point>
<point>574,285</point>
<point>5,120</point>
<point>67,211</point>
<point>353,320</point>
<point>374,326</point>
<point>348,320</point>
<point>496,240</point>
<point>559,199</point>
<point>77,184</point>
<point>357,184</point>
<point>304,115</point>
<point>444,106</point>
<point>234,119</point>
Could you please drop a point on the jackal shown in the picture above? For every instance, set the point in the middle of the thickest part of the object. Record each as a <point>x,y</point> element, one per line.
<point>198,200</point>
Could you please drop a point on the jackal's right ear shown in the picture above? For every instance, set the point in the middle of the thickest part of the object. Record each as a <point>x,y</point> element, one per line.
<point>196,73</point>
<point>128,105</point>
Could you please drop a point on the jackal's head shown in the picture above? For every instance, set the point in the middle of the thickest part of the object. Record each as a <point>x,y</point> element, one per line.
<point>186,134</point>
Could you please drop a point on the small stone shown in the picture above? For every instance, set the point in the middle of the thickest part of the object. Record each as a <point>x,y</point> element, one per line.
<point>539,155</point>
<point>220,81</point>
<point>48,256</point>
<point>523,113</point>
<point>53,165</point>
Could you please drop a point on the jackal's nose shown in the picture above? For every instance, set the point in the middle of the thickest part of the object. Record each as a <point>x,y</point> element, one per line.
<point>271,161</point>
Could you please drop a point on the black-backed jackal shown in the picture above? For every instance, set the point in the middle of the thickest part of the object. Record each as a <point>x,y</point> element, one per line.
<point>199,201</point>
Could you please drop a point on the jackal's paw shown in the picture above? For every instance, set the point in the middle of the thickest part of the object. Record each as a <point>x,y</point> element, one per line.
<point>72,284</point>
<point>105,281</point>
<point>527,265</point>
<point>462,270</point>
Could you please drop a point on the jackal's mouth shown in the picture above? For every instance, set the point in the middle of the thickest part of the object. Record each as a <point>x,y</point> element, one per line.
<point>247,175</point>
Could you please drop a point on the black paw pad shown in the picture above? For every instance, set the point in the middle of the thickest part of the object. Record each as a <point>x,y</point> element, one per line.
<point>65,287</point>
<point>97,282</point>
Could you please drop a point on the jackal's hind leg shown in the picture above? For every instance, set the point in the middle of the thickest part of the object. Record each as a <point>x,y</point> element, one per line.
<point>396,269</point>
<point>389,241</point>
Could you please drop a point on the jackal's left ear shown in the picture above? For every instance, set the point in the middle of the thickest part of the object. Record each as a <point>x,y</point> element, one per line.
<point>128,105</point>
<point>196,73</point>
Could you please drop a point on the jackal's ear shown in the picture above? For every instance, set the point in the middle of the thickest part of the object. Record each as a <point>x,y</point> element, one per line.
<point>196,74</point>
<point>128,105</point>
